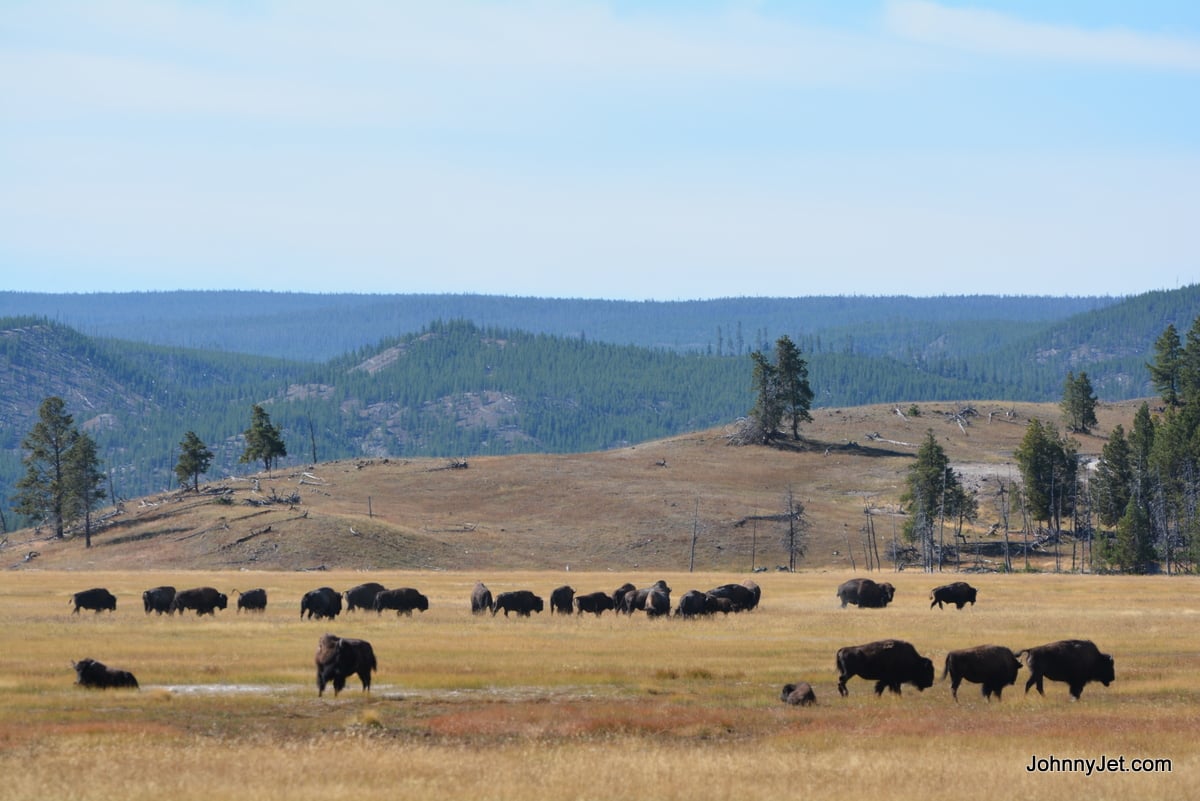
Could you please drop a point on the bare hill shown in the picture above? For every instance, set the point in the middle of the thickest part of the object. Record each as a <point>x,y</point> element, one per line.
<point>625,509</point>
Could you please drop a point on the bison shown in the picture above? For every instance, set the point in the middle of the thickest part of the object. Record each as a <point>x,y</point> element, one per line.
<point>959,593</point>
<point>889,662</point>
<point>523,602</point>
<point>618,597</point>
<point>865,593</point>
<point>654,600</point>
<point>363,595</point>
<point>993,666</point>
<point>595,602</point>
<point>97,675</point>
<point>97,599</point>
<point>403,599</point>
<point>254,600</point>
<point>692,604</point>
<point>1075,662</point>
<point>561,600</point>
<point>740,596</point>
<point>338,658</point>
<point>323,602</point>
<point>481,599</point>
<point>202,599</point>
<point>798,694</point>
<point>158,599</point>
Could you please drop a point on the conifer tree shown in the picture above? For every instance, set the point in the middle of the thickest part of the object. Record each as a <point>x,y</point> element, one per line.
<point>1168,360</point>
<point>194,460</point>
<point>263,440</point>
<point>43,492</point>
<point>1079,403</point>
<point>85,482</point>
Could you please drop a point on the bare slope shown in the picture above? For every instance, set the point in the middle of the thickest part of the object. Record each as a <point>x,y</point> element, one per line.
<point>633,508</point>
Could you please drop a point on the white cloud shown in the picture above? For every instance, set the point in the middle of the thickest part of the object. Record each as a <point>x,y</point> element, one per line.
<point>986,31</point>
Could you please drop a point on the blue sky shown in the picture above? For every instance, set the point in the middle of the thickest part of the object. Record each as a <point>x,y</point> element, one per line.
<point>631,150</point>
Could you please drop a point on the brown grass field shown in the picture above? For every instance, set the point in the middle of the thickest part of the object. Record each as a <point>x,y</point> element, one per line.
<point>614,708</point>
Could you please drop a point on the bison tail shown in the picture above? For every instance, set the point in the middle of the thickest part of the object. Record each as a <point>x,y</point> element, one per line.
<point>946,668</point>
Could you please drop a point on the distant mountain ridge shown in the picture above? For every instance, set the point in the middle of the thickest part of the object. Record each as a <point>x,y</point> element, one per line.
<point>457,387</point>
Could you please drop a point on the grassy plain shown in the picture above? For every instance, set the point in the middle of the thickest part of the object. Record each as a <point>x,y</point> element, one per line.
<point>561,708</point>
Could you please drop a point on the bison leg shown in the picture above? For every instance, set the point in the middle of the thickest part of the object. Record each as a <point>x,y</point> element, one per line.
<point>957,680</point>
<point>935,602</point>
<point>880,686</point>
<point>842,691</point>
<point>364,676</point>
<point>1076,691</point>
<point>1035,679</point>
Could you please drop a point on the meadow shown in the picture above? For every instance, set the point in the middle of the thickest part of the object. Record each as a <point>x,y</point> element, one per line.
<point>616,707</point>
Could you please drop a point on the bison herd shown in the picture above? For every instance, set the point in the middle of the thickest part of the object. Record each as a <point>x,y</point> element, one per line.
<point>889,663</point>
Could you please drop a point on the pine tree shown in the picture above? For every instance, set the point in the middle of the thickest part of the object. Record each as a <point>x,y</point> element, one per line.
<point>263,440</point>
<point>194,460</point>
<point>44,490</point>
<point>1079,403</point>
<point>1048,464</point>
<point>1112,486</point>
<point>1168,360</point>
<point>792,371</point>
<point>933,492</point>
<point>85,482</point>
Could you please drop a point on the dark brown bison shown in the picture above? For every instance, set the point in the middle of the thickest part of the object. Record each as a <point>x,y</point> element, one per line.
<point>523,602</point>
<point>403,599</point>
<point>362,596</point>
<point>323,602</point>
<point>562,599</point>
<point>202,599</point>
<point>798,694</point>
<point>993,666</point>
<point>692,604</point>
<point>97,599</point>
<point>158,599</point>
<point>595,602</point>
<point>959,593</point>
<point>97,675</point>
<point>1075,662</point>
<point>889,662</point>
<point>339,658</point>
<point>865,593</point>
<point>618,597</point>
<point>481,599</point>
<point>714,604</point>
<point>254,600</point>
<point>654,600</point>
<point>741,597</point>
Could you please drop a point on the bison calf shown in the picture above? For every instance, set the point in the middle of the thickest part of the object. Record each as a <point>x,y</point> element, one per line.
<point>993,666</point>
<point>798,694</point>
<point>338,658</point>
<point>97,675</point>
<point>1075,662</point>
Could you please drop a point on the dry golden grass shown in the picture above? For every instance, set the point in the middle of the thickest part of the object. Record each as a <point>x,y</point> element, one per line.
<point>629,509</point>
<point>614,708</point>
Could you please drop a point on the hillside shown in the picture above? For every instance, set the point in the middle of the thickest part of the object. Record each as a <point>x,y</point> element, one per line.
<point>629,508</point>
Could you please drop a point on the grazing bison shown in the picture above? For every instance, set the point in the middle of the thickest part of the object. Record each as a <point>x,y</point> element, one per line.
<point>481,599</point>
<point>594,602</point>
<point>97,599</point>
<point>323,602</point>
<point>403,599</point>
<point>158,599</point>
<point>865,593</point>
<point>740,596</point>
<point>993,666</point>
<point>523,602</point>
<point>363,596</point>
<point>90,673</point>
<point>1075,662</point>
<point>889,662</point>
<point>339,658</point>
<point>202,599</point>
<point>692,604</point>
<point>254,600</point>
<point>561,600</point>
<point>959,593</point>
<point>798,694</point>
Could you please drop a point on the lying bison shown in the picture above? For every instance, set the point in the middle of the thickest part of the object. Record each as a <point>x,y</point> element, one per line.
<point>523,602</point>
<point>1075,662</point>
<point>596,603</point>
<point>993,666</point>
<point>254,600</point>
<point>403,599</point>
<point>959,593</point>
<point>202,599</point>
<point>562,599</point>
<point>323,602</point>
<point>865,593</point>
<point>339,658</point>
<point>889,662</point>
<point>798,694</point>
<point>362,596</point>
<point>481,599</point>
<point>97,675</point>
<point>97,599</point>
<point>158,599</point>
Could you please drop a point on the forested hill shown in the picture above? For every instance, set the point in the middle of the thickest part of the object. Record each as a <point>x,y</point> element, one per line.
<point>456,388</point>
<point>314,328</point>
